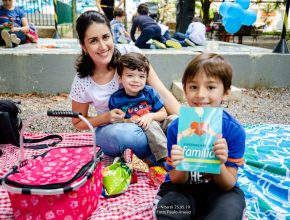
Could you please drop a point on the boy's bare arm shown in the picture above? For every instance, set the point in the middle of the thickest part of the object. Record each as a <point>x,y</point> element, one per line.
<point>227,178</point>
<point>228,175</point>
<point>178,177</point>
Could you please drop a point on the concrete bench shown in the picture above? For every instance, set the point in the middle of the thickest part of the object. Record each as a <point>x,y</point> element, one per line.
<point>36,68</point>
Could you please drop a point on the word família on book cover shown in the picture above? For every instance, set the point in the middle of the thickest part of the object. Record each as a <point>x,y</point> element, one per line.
<point>198,129</point>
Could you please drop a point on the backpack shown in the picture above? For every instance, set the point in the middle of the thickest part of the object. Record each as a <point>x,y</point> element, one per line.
<point>11,124</point>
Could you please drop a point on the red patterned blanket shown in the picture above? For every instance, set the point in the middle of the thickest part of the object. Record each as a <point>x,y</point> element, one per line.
<point>135,203</point>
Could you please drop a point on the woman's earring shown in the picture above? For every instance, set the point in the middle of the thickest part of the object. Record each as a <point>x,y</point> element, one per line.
<point>85,52</point>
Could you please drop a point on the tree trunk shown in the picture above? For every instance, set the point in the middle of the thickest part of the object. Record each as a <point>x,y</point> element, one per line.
<point>205,9</point>
<point>184,13</point>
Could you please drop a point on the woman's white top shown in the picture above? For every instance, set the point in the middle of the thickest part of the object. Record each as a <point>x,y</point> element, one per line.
<point>85,90</point>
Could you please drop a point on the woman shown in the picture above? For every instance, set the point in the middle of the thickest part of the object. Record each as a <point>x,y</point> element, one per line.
<point>13,25</point>
<point>97,80</point>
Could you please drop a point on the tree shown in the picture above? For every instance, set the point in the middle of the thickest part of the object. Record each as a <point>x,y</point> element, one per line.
<point>185,10</point>
<point>205,6</point>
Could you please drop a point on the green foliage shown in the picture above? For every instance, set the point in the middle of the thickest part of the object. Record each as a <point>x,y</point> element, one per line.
<point>276,33</point>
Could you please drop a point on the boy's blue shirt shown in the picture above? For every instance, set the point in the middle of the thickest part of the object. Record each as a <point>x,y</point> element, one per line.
<point>232,131</point>
<point>16,14</point>
<point>148,100</point>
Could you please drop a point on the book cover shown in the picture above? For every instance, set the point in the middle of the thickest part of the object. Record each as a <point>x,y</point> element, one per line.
<point>198,129</point>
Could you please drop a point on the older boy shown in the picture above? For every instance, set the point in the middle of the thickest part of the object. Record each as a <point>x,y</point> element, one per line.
<point>184,195</point>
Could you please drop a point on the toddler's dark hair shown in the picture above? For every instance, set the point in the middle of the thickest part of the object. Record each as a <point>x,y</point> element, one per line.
<point>133,61</point>
<point>211,64</point>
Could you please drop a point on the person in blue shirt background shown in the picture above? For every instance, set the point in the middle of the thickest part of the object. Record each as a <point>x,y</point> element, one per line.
<point>120,35</point>
<point>13,25</point>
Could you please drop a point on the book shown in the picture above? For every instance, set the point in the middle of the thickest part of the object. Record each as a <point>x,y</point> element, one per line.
<point>198,129</point>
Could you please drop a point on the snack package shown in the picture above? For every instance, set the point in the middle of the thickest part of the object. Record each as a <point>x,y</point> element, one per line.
<point>116,179</point>
<point>134,162</point>
<point>128,155</point>
<point>156,175</point>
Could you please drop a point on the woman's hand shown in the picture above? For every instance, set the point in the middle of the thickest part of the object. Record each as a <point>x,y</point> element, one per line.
<point>177,155</point>
<point>221,150</point>
<point>116,115</point>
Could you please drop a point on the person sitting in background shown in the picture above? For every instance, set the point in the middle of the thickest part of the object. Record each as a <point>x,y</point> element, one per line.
<point>148,27</point>
<point>120,35</point>
<point>150,30</point>
<point>32,35</point>
<point>13,25</point>
<point>194,35</point>
<point>170,42</point>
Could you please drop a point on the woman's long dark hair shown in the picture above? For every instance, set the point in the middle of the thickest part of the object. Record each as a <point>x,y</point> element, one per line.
<point>84,63</point>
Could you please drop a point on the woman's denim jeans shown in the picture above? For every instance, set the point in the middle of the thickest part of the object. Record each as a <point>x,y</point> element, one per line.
<point>115,138</point>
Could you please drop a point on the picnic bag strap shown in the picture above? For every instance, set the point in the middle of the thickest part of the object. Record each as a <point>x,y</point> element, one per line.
<point>42,146</point>
<point>11,125</point>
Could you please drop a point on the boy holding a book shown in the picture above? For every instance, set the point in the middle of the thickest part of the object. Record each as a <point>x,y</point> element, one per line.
<point>193,195</point>
<point>142,104</point>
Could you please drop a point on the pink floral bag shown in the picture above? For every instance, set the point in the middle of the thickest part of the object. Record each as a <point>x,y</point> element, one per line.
<point>61,183</point>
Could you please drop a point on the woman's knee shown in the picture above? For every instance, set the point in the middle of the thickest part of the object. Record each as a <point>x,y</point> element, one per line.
<point>130,134</point>
<point>115,138</point>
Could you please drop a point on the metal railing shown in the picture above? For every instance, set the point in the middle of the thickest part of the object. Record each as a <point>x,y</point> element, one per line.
<point>39,12</point>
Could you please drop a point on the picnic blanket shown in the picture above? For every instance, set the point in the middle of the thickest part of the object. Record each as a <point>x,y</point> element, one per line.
<point>264,179</point>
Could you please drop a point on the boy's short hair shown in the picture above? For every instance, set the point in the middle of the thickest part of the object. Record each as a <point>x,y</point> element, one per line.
<point>143,9</point>
<point>133,61</point>
<point>212,65</point>
<point>118,12</point>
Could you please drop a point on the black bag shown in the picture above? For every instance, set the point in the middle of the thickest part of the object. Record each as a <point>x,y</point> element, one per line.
<point>11,124</point>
